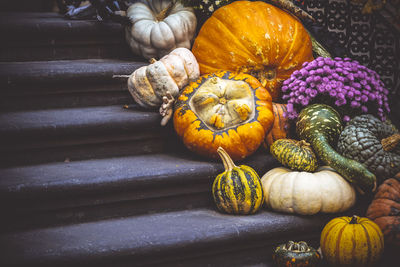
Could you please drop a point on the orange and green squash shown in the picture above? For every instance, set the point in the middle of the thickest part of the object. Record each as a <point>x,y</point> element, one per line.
<point>223,109</point>
<point>295,254</point>
<point>297,155</point>
<point>384,210</point>
<point>280,128</point>
<point>255,38</point>
<point>352,241</point>
<point>238,189</point>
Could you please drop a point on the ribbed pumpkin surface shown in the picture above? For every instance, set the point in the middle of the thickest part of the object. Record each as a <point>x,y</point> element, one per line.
<point>255,38</point>
<point>357,244</point>
<point>238,191</point>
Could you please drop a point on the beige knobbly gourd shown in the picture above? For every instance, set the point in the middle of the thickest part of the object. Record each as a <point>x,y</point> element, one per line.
<point>158,83</point>
<point>159,26</point>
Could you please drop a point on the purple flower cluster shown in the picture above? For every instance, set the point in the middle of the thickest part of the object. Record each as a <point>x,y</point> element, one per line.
<point>346,85</point>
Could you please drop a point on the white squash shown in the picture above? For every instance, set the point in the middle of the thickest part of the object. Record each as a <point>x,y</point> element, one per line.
<point>307,193</point>
<point>159,26</point>
<point>160,82</point>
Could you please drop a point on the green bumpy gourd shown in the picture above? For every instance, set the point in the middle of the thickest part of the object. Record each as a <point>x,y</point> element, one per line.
<point>238,190</point>
<point>297,155</point>
<point>295,254</point>
<point>320,125</point>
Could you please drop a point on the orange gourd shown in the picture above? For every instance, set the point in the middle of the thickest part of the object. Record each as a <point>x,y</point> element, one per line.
<point>255,38</point>
<point>224,109</point>
<point>280,128</point>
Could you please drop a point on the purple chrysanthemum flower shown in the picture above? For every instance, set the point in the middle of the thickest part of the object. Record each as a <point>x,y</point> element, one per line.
<point>342,83</point>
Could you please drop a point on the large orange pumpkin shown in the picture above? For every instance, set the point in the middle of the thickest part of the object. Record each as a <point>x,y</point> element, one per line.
<point>255,38</point>
<point>224,109</point>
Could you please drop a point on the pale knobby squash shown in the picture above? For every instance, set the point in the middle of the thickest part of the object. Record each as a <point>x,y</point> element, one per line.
<point>159,26</point>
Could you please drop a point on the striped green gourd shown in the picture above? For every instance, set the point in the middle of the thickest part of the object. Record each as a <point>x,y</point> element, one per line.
<point>238,189</point>
<point>296,155</point>
<point>320,125</point>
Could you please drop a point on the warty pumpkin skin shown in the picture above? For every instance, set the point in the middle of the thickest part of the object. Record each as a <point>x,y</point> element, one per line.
<point>223,109</point>
<point>159,26</point>
<point>255,38</point>
<point>280,128</point>
<point>384,210</point>
<point>363,139</point>
<point>307,193</point>
<point>351,241</point>
<point>238,189</point>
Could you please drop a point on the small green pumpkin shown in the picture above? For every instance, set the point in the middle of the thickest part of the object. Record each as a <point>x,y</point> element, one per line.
<point>297,155</point>
<point>373,143</point>
<point>320,125</point>
<point>238,189</point>
<point>293,254</point>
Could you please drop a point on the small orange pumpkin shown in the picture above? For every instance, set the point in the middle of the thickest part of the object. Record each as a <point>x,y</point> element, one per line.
<point>223,109</point>
<point>280,128</point>
<point>255,38</point>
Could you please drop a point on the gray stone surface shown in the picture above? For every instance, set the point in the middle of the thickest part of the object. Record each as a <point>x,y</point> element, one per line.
<point>92,183</point>
<point>152,239</point>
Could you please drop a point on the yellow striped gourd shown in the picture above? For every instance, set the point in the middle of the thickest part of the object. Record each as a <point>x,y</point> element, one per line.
<point>352,241</point>
<point>238,189</point>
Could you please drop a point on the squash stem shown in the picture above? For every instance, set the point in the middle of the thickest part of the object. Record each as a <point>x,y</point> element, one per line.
<point>390,142</point>
<point>226,159</point>
<point>165,12</point>
<point>353,219</point>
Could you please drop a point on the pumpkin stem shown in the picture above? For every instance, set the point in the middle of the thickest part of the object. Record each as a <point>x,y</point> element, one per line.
<point>389,143</point>
<point>354,219</point>
<point>226,159</point>
<point>152,60</point>
<point>165,12</point>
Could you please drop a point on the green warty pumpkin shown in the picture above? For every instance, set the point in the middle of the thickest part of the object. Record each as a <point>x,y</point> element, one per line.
<point>373,143</point>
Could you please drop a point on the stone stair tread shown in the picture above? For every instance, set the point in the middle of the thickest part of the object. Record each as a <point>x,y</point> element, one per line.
<point>49,185</point>
<point>77,71</point>
<point>31,26</point>
<point>155,238</point>
<point>23,126</point>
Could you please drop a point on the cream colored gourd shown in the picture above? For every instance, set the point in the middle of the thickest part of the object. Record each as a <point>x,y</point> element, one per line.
<point>307,193</point>
<point>159,26</point>
<point>149,84</point>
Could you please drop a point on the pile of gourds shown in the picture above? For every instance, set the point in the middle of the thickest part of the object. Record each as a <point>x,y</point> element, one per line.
<point>220,95</point>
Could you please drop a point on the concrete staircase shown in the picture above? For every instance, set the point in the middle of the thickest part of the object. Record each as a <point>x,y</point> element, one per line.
<point>88,178</point>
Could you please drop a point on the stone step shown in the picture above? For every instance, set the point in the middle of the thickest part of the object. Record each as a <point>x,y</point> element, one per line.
<point>164,238</point>
<point>64,83</point>
<point>50,36</point>
<point>66,192</point>
<point>30,137</point>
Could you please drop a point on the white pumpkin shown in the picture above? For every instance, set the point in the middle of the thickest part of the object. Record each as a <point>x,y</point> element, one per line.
<point>160,82</point>
<point>159,26</point>
<point>307,193</point>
